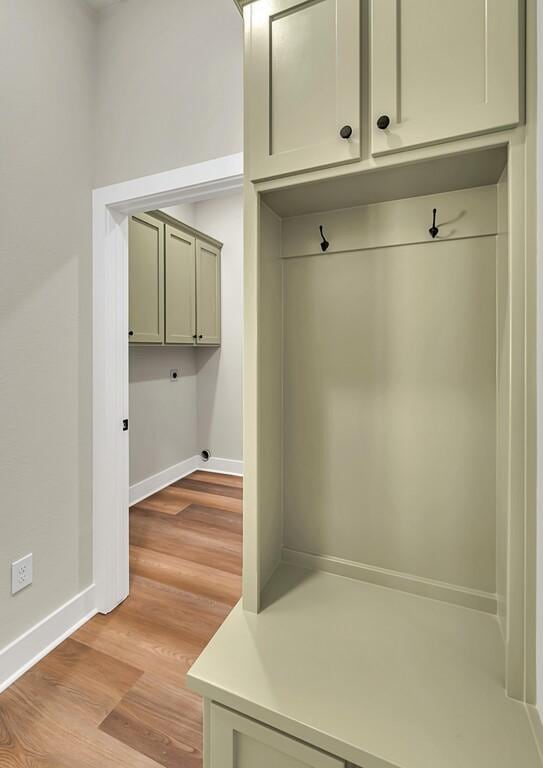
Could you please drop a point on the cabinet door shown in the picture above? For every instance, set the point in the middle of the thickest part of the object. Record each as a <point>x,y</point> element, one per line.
<point>146,280</point>
<point>443,69</point>
<point>303,78</point>
<point>180,287</point>
<point>237,742</point>
<point>208,293</point>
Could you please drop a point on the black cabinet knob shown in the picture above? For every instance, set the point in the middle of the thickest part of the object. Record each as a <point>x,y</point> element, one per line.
<point>383,121</point>
<point>200,336</point>
<point>346,132</point>
<point>130,333</point>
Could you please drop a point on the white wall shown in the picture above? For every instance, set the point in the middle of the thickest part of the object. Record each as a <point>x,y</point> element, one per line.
<point>185,212</point>
<point>169,86</point>
<point>219,388</point>
<point>162,412</point>
<point>46,70</point>
<point>172,421</point>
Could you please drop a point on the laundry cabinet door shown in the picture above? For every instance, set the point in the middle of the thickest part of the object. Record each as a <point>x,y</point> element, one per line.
<point>180,279</point>
<point>208,293</point>
<point>238,742</point>
<point>303,85</point>
<point>443,69</point>
<point>146,280</point>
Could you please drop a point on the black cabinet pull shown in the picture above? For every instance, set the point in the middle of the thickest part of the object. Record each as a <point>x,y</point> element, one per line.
<point>346,132</point>
<point>193,335</point>
<point>130,333</point>
<point>383,121</point>
<point>200,336</point>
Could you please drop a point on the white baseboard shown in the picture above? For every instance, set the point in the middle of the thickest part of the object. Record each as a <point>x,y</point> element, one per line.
<point>438,590</point>
<point>21,654</point>
<point>155,483</point>
<point>222,466</point>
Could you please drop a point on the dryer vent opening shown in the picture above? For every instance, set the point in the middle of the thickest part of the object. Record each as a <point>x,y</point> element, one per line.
<point>205,455</point>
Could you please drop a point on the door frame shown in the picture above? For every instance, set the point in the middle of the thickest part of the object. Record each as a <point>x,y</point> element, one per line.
<point>111,207</point>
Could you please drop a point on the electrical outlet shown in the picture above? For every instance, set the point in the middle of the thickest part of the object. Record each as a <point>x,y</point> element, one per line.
<point>174,374</point>
<point>21,574</point>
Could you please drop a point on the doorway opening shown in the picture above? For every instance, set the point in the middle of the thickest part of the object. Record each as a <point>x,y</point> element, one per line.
<point>201,184</point>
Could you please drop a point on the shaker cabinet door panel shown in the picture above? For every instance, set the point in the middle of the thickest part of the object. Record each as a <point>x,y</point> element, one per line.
<point>208,293</point>
<point>443,69</point>
<point>180,283</point>
<point>238,742</point>
<point>146,280</point>
<point>304,81</point>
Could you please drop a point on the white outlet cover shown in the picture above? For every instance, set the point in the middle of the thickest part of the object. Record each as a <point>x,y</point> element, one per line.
<point>21,574</point>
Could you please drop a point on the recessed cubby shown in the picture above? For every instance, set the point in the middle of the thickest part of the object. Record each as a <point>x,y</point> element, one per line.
<point>388,386</point>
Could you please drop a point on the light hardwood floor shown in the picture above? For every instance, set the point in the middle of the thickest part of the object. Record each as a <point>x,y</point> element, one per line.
<point>114,693</point>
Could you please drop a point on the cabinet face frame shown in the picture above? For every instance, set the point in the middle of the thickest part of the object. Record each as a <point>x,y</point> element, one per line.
<point>225,726</point>
<point>142,336</point>
<point>335,150</point>
<point>208,330</point>
<point>179,335</point>
<point>499,109</point>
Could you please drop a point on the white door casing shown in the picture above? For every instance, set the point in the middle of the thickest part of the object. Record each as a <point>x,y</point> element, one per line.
<point>112,206</point>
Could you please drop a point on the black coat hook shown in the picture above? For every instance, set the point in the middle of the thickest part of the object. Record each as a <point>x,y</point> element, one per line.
<point>325,243</point>
<point>433,229</point>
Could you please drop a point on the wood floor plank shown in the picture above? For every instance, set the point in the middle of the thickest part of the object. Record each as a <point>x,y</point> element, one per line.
<point>235,481</point>
<point>79,683</point>
<point>166,536</point>
<point>208,499</point>
<point>34,738</point>
<point>217,489</point>
<point>114,693</point>
<point>165,501</point>
<point>186,575</point>
<point>191,526</point>
<point>213,519</point>
<point>172,715</point>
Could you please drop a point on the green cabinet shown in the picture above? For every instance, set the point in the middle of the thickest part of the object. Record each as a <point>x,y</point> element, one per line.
<point>435,71</point>
<point>174,283</point>
<point>180,305</point>
<point>235,741</point>
<point>304,85</point>
<point>443,69</point>
<point>146,280</point>
<point>208,293</point>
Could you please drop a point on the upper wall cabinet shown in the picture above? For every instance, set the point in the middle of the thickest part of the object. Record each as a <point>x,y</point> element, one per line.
<point>303,76</point>
<point>179,287</point>
<point>208,293</point>
<point>146,280</point>
<point>442,69</point>
<point>174,283</point>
